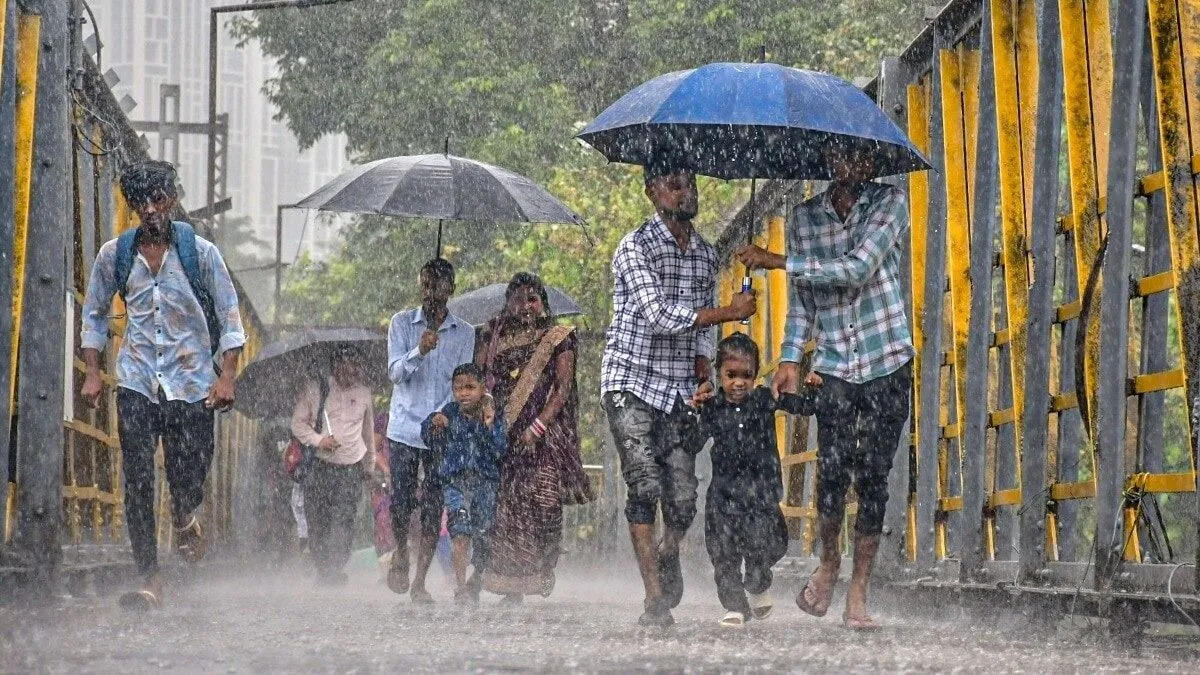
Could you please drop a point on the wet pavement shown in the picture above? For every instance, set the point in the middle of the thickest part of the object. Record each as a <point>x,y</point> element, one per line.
<point>232,622</point>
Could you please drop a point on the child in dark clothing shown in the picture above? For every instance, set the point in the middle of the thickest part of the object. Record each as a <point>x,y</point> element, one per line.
<point>471,437</point>
<point>743,522</point>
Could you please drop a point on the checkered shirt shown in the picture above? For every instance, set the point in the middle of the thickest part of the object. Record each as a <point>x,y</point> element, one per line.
<point>652,342</point>
<point>845,289</point>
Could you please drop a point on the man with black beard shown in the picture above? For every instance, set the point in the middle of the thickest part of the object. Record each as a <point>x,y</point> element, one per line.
<point>658,352</point>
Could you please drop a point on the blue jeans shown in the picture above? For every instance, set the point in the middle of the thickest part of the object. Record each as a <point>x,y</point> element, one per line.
<point>471,508</point>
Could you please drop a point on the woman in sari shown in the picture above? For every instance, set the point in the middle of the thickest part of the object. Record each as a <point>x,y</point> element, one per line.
<point>529,362</point>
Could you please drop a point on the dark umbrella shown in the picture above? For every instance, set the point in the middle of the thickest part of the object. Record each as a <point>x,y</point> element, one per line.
<point>269,385</point>
<point>442,186</point>
<point>477,307</point>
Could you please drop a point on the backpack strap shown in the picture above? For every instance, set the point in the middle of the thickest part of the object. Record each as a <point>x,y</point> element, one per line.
<point>125,253</point>
<point>185,248</point>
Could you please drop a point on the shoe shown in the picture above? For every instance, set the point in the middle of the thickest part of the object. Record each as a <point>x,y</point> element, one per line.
<point>463,597</point>
<point>420,596</point>
<point>512,600</point>
<point>656,619</point>
<point>733,620</point>
<point>670,575</point>
<point>761,604</point>
<point>189,540</point>
<point>657,615</point>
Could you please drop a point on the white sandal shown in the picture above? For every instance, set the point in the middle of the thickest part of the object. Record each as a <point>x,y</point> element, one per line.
<point>761,604</point>
<point>733,620</point>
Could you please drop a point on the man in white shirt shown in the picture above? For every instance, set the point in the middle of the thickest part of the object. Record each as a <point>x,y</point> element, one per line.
<point>425,345</point>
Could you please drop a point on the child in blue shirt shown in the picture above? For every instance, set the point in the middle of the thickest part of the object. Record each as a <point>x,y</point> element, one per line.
<point>471,437</point>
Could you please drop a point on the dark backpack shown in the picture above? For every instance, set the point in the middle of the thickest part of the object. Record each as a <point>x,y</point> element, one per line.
<point>184,238</point>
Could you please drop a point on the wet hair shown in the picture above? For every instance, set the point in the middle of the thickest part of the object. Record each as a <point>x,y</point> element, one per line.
<point>470,369</point>
<point>148,182</point>
<point>739,344</point>
<point>529,280</point>
<point>440,268</point>
<point>657,168</point>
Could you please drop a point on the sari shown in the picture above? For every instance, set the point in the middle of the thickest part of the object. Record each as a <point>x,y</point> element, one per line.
<point>535,481</point>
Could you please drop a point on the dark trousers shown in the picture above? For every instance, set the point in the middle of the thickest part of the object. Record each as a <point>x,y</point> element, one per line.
<point>658,459</point>
<point>403,462</point>
<point>186,431</point>
<point>331,496</point>
<point>858,430</point>
<point>755,539</point>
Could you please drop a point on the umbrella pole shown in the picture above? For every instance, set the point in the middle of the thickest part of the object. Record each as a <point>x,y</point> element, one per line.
<point>445,152</point>
<point>747,284</point>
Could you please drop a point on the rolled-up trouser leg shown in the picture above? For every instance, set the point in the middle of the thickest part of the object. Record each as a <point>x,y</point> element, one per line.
<point>633,423</point>
<point>884,412</point>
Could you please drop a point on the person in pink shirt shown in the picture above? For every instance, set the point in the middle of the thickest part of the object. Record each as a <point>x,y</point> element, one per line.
<point>333,484</point>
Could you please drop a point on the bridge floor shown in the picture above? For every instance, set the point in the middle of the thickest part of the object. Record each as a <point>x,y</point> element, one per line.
<point>245,623</point>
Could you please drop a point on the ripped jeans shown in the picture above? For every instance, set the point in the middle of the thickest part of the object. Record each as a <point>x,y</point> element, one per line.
<point>658,458</point>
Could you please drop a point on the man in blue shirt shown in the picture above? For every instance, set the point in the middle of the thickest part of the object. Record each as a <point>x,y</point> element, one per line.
<point>425,345</point>
<point>168,383</point>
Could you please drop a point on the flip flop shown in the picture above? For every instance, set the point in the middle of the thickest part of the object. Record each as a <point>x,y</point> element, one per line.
<point>808,600</point>
<point>862,624</point>
<point>140,600</point>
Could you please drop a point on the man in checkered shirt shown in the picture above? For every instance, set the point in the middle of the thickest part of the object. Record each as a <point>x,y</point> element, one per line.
<point>657,353</point>
<point>844,261</point>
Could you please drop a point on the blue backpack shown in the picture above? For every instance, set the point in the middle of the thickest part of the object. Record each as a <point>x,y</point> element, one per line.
<point>184,238</point>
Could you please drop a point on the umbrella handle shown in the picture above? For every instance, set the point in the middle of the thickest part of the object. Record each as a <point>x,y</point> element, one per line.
<point>746,288</point>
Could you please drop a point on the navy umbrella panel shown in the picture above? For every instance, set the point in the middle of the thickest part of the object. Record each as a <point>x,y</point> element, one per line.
<point>477,307</point>
<point>749,120</point>
<point>440,186</point>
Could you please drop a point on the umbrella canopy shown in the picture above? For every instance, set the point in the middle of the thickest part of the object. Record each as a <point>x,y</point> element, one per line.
<point>440,186</point>
<point>749,120</point>
<point>477,307</point>
<point>269,385</point>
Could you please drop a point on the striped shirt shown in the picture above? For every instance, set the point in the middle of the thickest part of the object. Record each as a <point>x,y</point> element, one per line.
<point>652,343</point>
<point>845,289</point>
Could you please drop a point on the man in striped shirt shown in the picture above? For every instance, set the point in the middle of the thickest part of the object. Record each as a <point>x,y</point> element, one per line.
<point>844,259</point>
<point>657,353</point>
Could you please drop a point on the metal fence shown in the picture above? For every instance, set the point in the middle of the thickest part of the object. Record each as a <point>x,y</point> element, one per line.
<point>65,203</point>
<point>1053,265</point>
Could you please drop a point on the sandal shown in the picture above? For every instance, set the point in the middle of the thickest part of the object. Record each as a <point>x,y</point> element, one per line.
<point>189,541</point>
<point>733,620</point>
<point>810,602</point>
<point>761,604</point>
<point>140,600</point>
<point>862,624</point>
<point>145,599</point>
